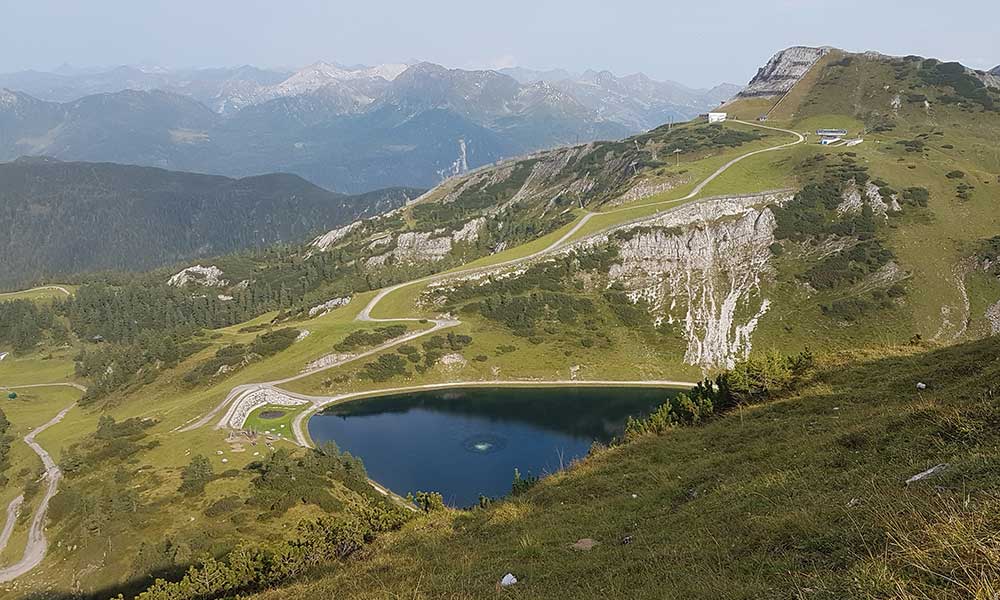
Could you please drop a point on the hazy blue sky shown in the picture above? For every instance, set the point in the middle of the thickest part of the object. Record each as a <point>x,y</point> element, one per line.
<point>698,43</point>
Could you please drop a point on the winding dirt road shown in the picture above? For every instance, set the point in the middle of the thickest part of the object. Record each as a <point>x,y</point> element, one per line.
<point>13,509</point>
<point>37,545</point>
<point>237,393</point>
<point>38,289</point>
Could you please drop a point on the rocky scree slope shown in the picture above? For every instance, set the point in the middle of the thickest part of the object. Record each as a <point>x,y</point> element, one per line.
<point>499,207</point>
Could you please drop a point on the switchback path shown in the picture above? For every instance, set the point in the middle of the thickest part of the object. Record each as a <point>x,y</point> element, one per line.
<point>37,546</point>
<point>237,393</point>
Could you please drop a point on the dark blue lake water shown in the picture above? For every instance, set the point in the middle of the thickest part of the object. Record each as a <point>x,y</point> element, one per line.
<point>467,442</point>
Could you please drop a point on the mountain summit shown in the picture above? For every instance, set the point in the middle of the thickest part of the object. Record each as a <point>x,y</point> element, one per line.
<point>783,71</point>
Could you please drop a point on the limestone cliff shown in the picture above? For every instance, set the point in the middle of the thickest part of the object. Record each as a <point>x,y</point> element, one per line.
<point>701,267</point>
<point>783,71</point>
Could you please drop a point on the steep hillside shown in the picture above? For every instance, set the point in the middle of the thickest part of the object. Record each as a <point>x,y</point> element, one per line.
<point>63,218</point>
<point>812,491</point>
<point>816,284</point>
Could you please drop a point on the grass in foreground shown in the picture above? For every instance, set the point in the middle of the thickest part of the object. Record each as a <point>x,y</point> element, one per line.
<point>801,497</point>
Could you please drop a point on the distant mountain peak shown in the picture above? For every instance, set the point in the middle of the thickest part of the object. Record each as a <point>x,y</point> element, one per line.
<point>995,70</point>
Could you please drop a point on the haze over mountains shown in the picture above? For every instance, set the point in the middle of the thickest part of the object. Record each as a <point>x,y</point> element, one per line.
<point>351,129</point>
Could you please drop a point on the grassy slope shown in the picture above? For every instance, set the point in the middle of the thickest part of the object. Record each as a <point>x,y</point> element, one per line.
<point>40,293</point>
<point>929,244</point>
<point>797,498</point>
<point>171,402</point>
<point>32,408</point>
<point>756,174</point>
<point>790,499</point>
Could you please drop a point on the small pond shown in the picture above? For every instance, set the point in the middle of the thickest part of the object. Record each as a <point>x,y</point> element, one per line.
<point>466,442</point>
<point>269,415</point>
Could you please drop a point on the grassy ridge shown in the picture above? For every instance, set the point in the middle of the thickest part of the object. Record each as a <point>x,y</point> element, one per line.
<point>798,496</point>
<point>735,505</point>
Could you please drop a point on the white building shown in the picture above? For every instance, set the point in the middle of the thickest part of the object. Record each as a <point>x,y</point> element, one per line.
<point>830,136</point>
<point>717,117</point>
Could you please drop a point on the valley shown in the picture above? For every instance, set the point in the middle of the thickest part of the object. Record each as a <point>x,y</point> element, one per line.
<point>813,286</point>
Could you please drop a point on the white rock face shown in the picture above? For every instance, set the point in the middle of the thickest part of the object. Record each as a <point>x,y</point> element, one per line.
<point>875,200</point>
<point>783,71</point>
<point>470,231</point>
<point>993,317</point>
<point>329,305</point>
<point>419,246</point>
<point>428,246</point>
<point>701,266</point>
<point>645,189</point>
<point>453,361</point>
<point>851,202</point>
<point>708,278</point>
<point>210,276</point>
<point>330,238</point>
<point>989,78</point>
<point>854,199</point>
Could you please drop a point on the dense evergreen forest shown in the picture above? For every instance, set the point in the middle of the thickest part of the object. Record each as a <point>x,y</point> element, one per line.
<point>62,218</point>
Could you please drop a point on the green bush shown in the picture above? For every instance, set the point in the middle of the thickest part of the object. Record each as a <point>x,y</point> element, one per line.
<point>384,368</point>
<point>427,501</point>
<point>253,567</point>
<point>287,478</point>
<point>916,196</point>
<point>364,338</point>
<point>223,505</point>
<point>196,475</point>
<point>521,484</point>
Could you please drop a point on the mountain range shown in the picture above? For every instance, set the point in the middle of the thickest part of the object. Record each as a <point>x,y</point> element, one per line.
<point>351,129</point>
<point>839,302</point>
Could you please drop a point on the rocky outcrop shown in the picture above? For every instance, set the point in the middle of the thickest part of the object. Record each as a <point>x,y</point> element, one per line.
<point>854,198</point>
<point>851,202</point>
<point>470,231</point>
<point>330,238</point>
<point>706,278</point>
<point>993,318</point>
<point>322,309</point>
<point>783,71</point>
<point>989,78</point>
<point>645,189</point>
<point>428,246</point>
<point>701,267</point>
<point>210,276</point>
